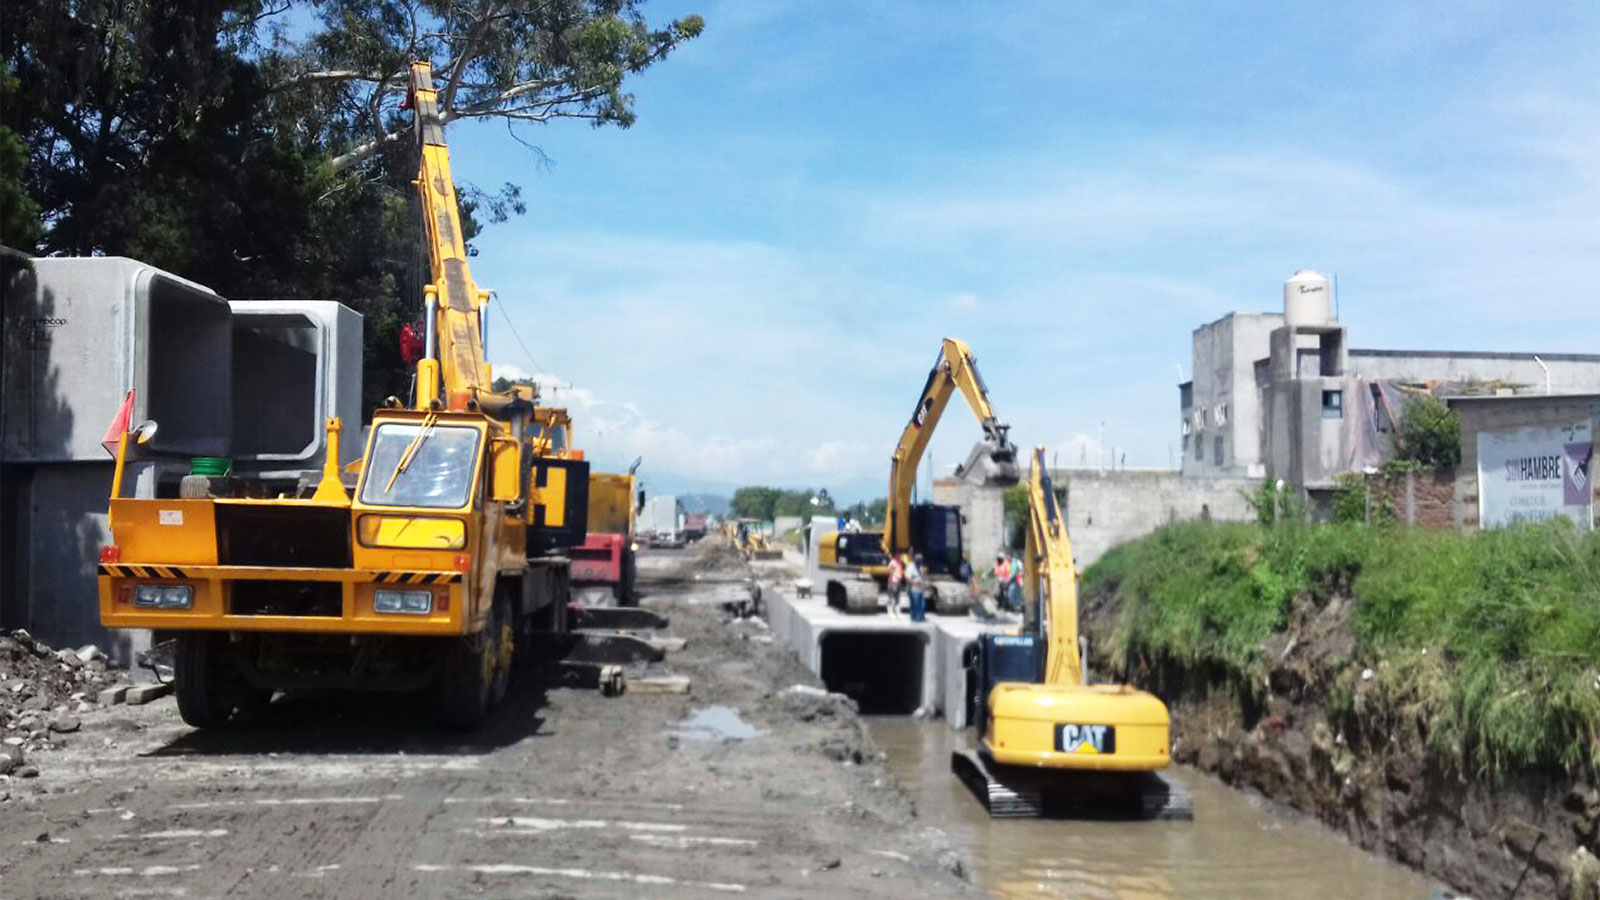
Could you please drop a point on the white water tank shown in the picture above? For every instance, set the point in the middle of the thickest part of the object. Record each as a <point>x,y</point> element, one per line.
<point>1308,299</point>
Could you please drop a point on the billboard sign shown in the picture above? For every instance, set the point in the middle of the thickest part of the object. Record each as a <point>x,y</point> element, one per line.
<point>1533,474</point>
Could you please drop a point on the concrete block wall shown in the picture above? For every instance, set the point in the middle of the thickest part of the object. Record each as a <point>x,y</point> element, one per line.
<point>983,522</point>
<point>1105,509</point>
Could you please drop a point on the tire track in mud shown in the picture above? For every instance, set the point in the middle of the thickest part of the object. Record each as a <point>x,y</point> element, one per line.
<point>563,794</point>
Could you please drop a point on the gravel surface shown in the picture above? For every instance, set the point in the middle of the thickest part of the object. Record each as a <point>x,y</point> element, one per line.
<point>756,783</point>
<point>44,693</point>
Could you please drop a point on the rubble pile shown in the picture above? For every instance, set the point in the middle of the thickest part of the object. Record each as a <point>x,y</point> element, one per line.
<point>42,693</point>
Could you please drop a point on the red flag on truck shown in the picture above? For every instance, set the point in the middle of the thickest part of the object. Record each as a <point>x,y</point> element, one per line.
<point>119,424</point>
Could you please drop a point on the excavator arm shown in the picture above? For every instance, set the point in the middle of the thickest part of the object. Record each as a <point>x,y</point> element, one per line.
<point>1052,577</point>
<point>955,369</point>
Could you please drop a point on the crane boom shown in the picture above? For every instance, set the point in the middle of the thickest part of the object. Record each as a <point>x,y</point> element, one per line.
<point>955,369</point>
<point>454,303</point>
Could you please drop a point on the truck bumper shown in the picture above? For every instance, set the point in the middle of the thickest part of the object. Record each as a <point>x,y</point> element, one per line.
<point>226,599</point>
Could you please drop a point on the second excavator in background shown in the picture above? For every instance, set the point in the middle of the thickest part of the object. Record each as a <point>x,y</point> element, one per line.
<point>1051,741</point>
<point>929,529</point>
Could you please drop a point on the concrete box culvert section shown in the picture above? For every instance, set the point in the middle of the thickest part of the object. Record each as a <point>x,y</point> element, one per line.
<point>295,363</point>
<point>882,670</point>
<point>81,332</point>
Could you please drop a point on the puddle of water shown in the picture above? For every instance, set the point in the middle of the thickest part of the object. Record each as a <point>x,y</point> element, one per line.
<point>1237,847</point>
<point>715,723</point>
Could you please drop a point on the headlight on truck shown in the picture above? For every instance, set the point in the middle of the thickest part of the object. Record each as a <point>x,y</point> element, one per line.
<point>163,596</point>
<point>409,603</point>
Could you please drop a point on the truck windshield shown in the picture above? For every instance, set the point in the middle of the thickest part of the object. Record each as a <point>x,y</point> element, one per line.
<point>438,474</point>
<point>557,435</point>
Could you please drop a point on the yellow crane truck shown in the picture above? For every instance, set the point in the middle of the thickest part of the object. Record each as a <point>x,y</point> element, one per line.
<point>425,577</point>
<point>1051,741</point>
<point>862,558</point>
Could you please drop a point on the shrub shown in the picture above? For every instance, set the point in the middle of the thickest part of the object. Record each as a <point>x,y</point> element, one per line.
<point>1428,433</point>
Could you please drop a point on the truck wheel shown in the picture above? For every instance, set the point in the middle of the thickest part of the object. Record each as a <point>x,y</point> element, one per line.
<point>466,679</point>
<point>630,579</point>
<point>199,675</point>
<point>251,702</point>
<point>505,647</point>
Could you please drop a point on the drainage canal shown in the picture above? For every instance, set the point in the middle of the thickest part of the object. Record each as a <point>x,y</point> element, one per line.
<point>880,670</point>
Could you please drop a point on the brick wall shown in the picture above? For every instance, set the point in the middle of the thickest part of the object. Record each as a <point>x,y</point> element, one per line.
<point>1422,499</point>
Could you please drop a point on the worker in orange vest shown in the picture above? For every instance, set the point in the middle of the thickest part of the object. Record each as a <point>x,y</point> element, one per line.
<point>897,580</point>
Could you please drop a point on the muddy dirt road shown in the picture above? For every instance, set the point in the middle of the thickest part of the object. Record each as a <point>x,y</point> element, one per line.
<point>565,793</point>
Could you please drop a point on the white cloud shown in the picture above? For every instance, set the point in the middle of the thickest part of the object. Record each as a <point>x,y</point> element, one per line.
<point>1080,451</point>
<point>846,459</point>
<point>965,303</point>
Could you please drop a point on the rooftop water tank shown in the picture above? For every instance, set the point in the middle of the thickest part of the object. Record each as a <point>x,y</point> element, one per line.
<point>1308,299</point>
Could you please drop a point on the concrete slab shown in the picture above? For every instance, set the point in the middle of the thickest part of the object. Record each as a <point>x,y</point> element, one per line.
<point>140,694</point>
<point>659,684</point>
<point>112,695</point>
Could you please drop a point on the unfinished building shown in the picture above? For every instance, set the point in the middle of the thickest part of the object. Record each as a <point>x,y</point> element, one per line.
<point>1283,395</point>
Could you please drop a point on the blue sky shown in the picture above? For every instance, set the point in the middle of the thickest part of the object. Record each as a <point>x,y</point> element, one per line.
<point>750,284</point>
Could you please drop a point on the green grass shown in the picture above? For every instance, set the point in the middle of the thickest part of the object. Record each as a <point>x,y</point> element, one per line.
<point>1489,642</point>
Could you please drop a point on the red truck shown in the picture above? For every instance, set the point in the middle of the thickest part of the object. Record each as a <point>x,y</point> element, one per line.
<point>605,560</point>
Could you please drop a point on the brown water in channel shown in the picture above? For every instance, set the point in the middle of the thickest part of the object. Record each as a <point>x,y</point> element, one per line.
<point>1237,848</point>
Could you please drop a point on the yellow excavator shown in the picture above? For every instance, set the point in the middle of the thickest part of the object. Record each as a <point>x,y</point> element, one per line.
<point>1051,742</point>
<point>930,529</point>
<point>432,574</point>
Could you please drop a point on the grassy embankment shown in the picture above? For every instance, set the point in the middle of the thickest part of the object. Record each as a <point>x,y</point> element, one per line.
<point>1488,643</point>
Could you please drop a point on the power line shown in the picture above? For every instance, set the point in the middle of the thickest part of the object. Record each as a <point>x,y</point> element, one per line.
<point>525,351</point>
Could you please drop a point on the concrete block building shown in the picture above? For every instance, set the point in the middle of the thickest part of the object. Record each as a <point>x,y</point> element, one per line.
<point>1283,395</point>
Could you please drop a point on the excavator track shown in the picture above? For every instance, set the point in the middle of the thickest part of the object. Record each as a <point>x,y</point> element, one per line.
<point>853,596</point>
<point>950,597</point>
<point>1012,793</point>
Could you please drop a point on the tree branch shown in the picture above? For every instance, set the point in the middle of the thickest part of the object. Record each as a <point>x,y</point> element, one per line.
<point>491,108</point>
<point>464,58</point>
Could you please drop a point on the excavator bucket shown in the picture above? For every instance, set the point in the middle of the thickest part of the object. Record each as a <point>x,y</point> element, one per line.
<point>994,462</point>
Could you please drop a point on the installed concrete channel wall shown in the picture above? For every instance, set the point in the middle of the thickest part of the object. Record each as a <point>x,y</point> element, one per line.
<point>890,664</point>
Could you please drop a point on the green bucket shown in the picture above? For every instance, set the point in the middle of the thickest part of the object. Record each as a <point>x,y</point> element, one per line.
<point>211,466</point>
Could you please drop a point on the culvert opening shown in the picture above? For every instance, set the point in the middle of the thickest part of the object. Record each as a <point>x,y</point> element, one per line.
<point>880,670</point>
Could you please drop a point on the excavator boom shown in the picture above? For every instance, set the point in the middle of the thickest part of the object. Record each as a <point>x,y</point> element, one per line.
<point>1052,577</point>
<point>955,369</point>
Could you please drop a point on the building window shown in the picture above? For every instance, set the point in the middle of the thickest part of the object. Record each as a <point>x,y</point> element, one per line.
<point>1333,404</point>
<point>1199,448</point>
<point>1186,441</point>
<point>1216,451</point>
<point>1380,411</point>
